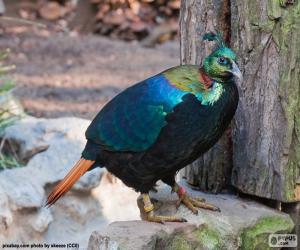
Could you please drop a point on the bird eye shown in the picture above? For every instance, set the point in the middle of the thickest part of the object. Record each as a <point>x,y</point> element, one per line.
<point>222,60</point>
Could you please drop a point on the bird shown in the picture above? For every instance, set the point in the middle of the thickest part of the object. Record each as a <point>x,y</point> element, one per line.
<point>151,130</point>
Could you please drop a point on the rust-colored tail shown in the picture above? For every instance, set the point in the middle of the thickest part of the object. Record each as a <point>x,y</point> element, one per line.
<point>65,185</point>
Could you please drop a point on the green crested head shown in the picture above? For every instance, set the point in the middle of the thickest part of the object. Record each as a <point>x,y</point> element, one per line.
<point>221,64</point>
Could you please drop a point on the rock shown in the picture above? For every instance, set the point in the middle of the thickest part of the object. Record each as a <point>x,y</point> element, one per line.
<point>50,148</point>
<point>32,136</point>
<point>53,147</point>
<point>5,213</point>
<point>89,180</point>
<point>117,200</point>
<point>242,224</point>
<point>28,141</point>
<point>21,192</point>
<point>98,242</point>
<point>42,220</point>
<point>61,142</point>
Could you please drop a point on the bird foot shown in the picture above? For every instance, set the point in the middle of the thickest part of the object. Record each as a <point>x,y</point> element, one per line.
<point>192,203</point>
<point>150,216</point>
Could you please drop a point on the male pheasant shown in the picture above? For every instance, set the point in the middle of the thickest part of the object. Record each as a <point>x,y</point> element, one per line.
<point>158,126</point>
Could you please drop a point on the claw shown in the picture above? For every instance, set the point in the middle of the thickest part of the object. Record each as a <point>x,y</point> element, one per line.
<point>192,203</point>
<point>218,209</point>
<point>204,205</point>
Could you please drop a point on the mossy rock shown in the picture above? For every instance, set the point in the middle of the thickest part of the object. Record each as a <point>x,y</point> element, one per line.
<point>179,242</point>
<point>241,225</point>
<point>257,236</point>
<point>209,238</point>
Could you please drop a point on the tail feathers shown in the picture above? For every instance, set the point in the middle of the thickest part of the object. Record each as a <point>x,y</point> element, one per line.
<point>66,184</point>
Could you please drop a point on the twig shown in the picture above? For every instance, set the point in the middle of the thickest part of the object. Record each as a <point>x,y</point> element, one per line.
<point>20,20</point>
<point>13,150</point>
<point>2,143</point>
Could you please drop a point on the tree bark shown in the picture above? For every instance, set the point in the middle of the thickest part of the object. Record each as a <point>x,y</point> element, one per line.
<point>2,7</point>
<point>266,147</point>
<point>210,172</point>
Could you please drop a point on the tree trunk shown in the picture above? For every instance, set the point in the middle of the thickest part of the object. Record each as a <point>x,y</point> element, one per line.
<point>2,7</point>
<point>266,147</point>
<point>210,172</point>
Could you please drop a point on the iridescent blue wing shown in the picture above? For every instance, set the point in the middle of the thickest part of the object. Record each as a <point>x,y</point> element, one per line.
<point>133,120</point>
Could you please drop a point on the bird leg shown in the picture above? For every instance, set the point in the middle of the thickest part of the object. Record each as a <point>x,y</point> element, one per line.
<point>192,203</point>
<point>149,207</point>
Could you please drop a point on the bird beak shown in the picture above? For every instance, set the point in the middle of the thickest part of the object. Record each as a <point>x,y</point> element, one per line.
<point>236,71</point>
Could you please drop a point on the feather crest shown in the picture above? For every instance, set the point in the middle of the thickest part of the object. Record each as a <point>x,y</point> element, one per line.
<point>217,37</point>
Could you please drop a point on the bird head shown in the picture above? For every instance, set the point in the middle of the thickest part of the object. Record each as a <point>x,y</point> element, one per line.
<point>221,64</point>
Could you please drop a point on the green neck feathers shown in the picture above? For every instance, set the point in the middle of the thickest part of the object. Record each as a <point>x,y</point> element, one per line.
<point>209,82</point>
<point>190,78</point>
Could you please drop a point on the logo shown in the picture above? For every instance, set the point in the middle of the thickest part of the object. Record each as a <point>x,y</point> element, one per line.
<point>283,240</point>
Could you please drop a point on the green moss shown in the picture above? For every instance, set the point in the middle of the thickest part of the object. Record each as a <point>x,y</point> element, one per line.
<point>179,242</point>
<point>274,9</point>
<point>288,35</point>
<point>253,14</point>
<point>256,237</point>
<point>8,161</point>
<point>209,238</point>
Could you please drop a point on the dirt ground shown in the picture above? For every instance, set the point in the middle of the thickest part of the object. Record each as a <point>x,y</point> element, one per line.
<point>62,75</point>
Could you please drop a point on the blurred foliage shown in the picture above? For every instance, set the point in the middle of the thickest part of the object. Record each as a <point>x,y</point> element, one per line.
<point>6,119</point>
<point>6,85</point>
<point>7,116</point>
<point>9,161</point>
